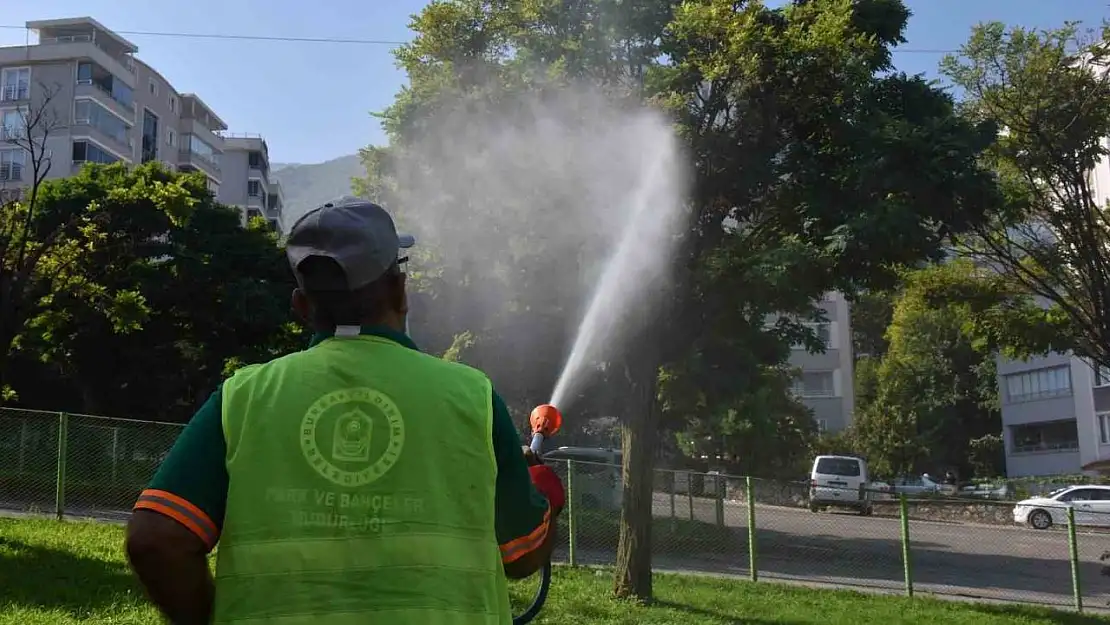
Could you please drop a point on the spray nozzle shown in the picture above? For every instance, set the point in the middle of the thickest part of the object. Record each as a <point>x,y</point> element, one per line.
<point>545,419</point>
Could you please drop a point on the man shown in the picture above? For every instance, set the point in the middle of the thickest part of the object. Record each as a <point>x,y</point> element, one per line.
<point>358,481</point>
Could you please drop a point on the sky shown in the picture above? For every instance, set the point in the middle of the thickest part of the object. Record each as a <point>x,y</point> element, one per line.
<point>313,101</point>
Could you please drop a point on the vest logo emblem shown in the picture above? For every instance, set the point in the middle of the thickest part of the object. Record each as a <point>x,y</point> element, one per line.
<point>352,437</point>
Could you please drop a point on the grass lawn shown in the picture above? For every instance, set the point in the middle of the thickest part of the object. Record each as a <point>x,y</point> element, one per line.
<point>66,573</point>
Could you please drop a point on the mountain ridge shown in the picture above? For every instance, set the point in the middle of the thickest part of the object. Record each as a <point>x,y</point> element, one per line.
<point>308,185</point>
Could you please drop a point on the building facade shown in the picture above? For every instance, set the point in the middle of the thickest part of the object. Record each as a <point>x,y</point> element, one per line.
<point>248,183</point>
<point>825,380</point>
<point>79,95</point>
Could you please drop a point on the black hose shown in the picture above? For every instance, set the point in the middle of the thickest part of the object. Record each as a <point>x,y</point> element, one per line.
<point>538,600</point>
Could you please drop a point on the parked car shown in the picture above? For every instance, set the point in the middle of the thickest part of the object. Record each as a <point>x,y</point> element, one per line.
<point>1001,492</point>
<point>597,475</point>
<point>909,485</point>
<point>1090,503</point>
<point>839,481</point>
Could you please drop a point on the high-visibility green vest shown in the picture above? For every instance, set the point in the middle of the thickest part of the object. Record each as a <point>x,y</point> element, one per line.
<point>362,481</point>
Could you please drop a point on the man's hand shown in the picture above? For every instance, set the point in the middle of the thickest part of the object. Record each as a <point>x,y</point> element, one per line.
<point>531,457</point>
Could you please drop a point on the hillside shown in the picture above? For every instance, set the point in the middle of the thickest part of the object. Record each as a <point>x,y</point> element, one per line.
<point>308,186</point>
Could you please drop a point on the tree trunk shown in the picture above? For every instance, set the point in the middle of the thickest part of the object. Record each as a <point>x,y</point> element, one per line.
<point>638,439</point>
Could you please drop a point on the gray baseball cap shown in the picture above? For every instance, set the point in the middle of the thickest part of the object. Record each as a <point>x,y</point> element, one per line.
<point>358,235</point>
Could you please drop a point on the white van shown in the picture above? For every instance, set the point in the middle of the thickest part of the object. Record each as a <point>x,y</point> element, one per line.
<point>839,481</point>
<point>597,475</point>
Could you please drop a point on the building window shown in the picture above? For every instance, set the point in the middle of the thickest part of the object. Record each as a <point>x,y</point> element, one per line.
<point>150,136</point>
<point>1103,427</point>
<point>824,333</point>
<point>822,425</point>
<point>173,104</point>
<point>255,160</point>
<point>12,163</point>
<point>12,125</point>
<point>1044,436</point>
<point>1101,375</point>
<point>171,137</point>
<point>814,384</point>
<point>1038,384</point>
<point>15,84</point>
<point>88,152</point>
<point>152,86</point>
<point>254,188</point>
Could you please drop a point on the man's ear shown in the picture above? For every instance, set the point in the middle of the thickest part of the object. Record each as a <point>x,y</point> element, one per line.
<point>301,306</point>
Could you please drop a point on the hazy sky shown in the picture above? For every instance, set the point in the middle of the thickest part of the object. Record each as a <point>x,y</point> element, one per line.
<point>312,101</point>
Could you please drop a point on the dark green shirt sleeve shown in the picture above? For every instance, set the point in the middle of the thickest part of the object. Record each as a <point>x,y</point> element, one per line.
<point>191,485</point>
<point>521,510</point>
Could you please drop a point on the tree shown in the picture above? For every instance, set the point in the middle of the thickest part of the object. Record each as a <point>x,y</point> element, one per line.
<point>26,238</point>
<point>930,402</point>
<point>834,170</point>
<point>936,386</point>
<point>815,168</point>
<point>159,295</point>
<point>1050,93</point>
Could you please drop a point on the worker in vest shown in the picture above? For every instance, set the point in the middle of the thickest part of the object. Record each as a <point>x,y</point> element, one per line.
<point>358,481</point>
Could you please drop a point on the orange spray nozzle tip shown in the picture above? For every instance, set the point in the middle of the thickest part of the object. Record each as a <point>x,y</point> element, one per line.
<point>546,419</point>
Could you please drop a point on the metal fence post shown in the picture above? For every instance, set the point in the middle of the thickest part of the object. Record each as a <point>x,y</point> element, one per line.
<point>907,565</point>
<point>1073,555</point>
<point>572,520</point>
<point>719,482</point>
<point>690,492</point>
<point>752,559</point>
<point>60,475</point>
<point>674,519</point>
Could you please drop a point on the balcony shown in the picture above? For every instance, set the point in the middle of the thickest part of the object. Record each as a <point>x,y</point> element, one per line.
<point>105,134</point>
<point>124,61</point>
<point>206,164</point>
<point>103,95</point>
<point>65,49</point>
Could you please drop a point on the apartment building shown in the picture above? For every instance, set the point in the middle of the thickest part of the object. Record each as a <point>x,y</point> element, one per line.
<point>247,179</point>
<point>825,380</point>
<point>102,105</point>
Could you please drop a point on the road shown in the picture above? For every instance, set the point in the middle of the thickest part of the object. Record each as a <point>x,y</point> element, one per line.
<point>989,562</point>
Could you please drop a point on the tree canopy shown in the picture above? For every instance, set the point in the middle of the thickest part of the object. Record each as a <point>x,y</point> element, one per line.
<point>815,167</point>
<point>144,295</point>
<point>1049,92</point>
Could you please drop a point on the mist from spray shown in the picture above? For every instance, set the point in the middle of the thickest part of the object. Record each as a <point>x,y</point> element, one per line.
<point>562,193</point>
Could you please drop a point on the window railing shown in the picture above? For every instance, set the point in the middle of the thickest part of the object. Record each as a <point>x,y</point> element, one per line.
<point>190,154</point>
<point>12,93</point>
<point>123,139</point>
<point>127,62</point>
<point>11,171</point>
<point>12,133</point>
<point>1046,446</point>
<point>107,91</point>
<point>1046,394</point>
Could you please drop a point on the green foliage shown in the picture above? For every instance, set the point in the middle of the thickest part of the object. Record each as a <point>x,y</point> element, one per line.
<point>986,455</point>
<point>1050,93</point>
<point>150,295</point>
<point>461,343</point>
<point>931,401</point>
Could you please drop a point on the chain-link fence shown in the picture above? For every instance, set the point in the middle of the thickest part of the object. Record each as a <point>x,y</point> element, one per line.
<point>1049,552</point>
<point>78,465</point>
<point>971,547</point>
